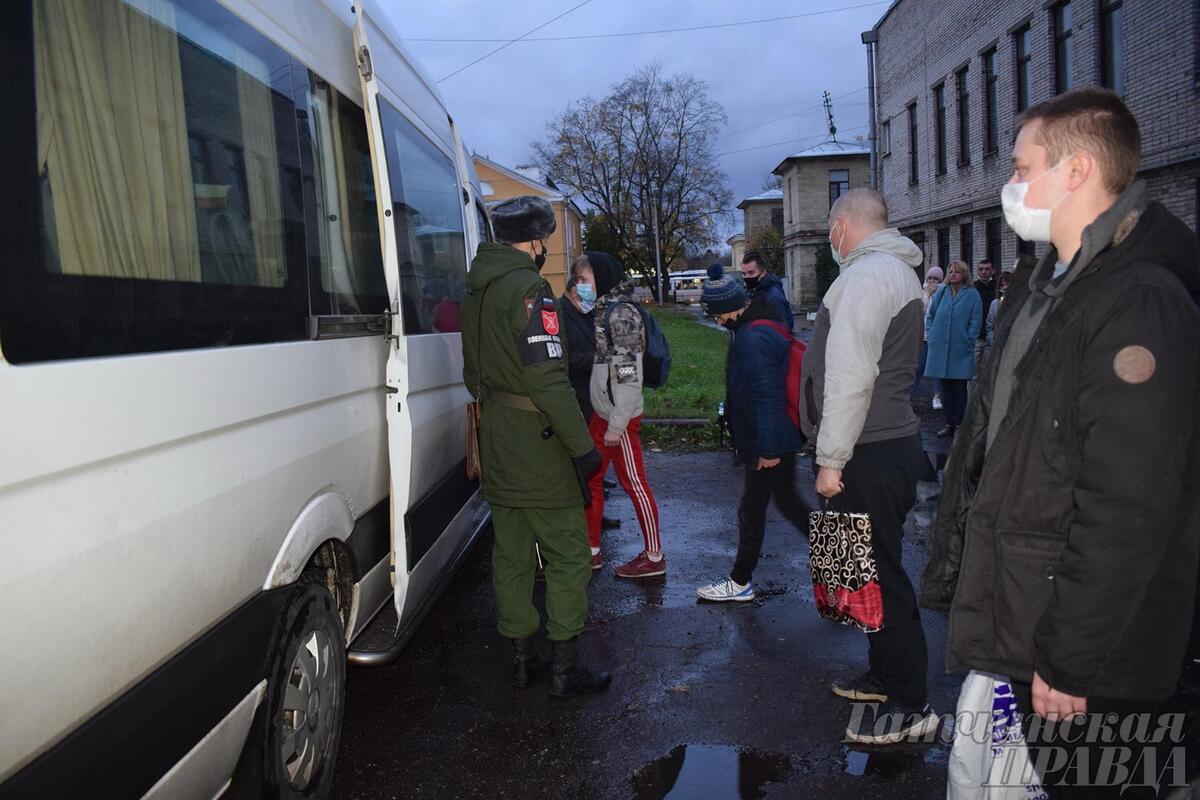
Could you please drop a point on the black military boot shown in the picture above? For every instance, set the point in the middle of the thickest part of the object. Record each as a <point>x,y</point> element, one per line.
<point>568,678</point>
<point>526,664</point>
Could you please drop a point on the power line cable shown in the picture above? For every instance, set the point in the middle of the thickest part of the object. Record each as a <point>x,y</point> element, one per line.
<point>788,141</point>
<point>803,112</point>
<point>514,41</point>
<point>688,29</point>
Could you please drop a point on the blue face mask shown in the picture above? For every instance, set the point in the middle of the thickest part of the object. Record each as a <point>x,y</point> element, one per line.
<point>586,292</point>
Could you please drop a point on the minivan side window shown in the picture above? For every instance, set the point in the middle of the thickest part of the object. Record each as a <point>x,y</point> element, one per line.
<point>428,211</point>
<point>344,247</point>
<point>158,163</point>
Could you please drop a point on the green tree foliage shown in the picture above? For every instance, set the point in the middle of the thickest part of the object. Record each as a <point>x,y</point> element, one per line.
<point>827,269</point>
<point>768,242</point>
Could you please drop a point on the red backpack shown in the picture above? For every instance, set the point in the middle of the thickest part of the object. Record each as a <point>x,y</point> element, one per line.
<point>795,362</point>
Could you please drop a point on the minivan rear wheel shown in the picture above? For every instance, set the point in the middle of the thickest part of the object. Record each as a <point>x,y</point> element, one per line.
<point>305,698</point>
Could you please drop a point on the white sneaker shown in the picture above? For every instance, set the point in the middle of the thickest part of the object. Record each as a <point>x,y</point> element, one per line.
<point>726,591</point>
<point>937,403</point>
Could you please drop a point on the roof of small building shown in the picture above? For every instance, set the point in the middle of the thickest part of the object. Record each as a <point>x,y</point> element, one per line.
<point>769,196</point>
<point>828,149</point>
<point>737,237</point>
<point>531,177</point>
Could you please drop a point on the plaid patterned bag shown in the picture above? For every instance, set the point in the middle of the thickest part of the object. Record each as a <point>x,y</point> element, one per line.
<point>842,560</point>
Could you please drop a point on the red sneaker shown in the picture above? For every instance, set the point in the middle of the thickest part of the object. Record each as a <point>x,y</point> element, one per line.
<point>643,567</point>
<point>597,561</point>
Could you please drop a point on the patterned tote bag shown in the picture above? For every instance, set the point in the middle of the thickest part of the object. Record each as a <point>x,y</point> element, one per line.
<point>842,560</point>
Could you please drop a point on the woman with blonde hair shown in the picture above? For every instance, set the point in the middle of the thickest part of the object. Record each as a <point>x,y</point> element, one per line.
<point>952,325</point>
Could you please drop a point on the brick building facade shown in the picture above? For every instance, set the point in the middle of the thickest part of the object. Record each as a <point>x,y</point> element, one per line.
<point>967,67</point>
<point>812,180</point>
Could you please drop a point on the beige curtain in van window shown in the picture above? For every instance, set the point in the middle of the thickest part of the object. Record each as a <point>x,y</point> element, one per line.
<point>112,136</point>
<point>262,178</point>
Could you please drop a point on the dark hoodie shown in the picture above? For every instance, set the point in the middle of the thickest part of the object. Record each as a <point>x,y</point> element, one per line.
<point>1067,536</point>
<point>770,287</point>
<point>606,271</point>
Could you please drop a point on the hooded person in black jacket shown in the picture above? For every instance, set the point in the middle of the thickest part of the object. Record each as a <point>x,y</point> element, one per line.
<point>1065,546</point>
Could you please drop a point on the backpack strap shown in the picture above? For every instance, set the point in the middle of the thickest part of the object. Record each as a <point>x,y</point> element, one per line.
<point>774,325</point>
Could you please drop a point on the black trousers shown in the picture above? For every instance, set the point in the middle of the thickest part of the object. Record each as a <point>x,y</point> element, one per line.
<point>881,480</point>
<point>759,487</point>
<point>1124,737</point>
<point>954,400</point>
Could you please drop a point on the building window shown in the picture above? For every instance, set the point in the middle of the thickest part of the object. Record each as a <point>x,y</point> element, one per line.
<point>885,137</point>
<point>839,183</point>
<point>791,214</point>
<point>1112,45</point>
<point>913,175</point>
<point>1064,48</point>
<point>1023,55</point>
<point>966,244</point>
<point>992,231</point>
<point>943,247</point>
<point>991,108</point>
<point>962,89</point>
<point>939,127</point>
<point>777,219</point>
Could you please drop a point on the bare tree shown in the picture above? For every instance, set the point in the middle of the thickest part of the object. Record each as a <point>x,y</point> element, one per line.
<point>772,181</point>
<point>644,150</point>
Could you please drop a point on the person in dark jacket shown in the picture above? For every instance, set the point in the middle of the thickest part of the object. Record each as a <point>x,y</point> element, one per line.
<point>764,437</point>
<point>577,308</point>
<point>1065,546</point>
<point>578,315</point>
<point>759,280</point>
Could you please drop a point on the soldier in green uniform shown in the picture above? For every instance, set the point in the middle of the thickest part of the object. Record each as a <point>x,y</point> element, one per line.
<point>535,449</point>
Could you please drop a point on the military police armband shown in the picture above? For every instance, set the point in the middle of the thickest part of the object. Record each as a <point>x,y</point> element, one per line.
<point>539,341</point>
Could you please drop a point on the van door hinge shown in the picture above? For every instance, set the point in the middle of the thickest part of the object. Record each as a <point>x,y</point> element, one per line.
<point>364,63</point>
<point>390,324</point>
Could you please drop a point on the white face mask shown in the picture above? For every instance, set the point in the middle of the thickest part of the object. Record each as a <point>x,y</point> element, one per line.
<point>1031,224</point>
<point>838,258</point>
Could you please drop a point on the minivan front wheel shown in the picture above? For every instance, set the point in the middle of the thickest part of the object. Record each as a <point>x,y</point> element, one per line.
<point>305,696</point>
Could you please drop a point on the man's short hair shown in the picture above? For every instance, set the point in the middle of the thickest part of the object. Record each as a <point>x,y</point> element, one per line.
<point>754,257</point>
<point>580,262</point>
<point>1095,121</point>
<point>863,205</point>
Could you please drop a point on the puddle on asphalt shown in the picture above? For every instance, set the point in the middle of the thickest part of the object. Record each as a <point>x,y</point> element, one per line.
<point>710,771</point>
<point>890,762</point>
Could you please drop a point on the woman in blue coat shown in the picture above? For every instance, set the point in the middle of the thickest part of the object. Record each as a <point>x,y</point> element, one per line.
<point>951,327</point>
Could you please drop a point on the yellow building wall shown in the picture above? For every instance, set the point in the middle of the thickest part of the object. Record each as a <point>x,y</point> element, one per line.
<point>566,241</point>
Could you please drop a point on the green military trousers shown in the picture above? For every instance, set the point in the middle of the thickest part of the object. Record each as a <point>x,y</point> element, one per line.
<point>561,533</point>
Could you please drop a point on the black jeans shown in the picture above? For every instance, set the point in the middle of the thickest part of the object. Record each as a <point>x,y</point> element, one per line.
<point>954,400</point>
<point>760,486</point>
<point>1080,774</point>
<point>881,480</point>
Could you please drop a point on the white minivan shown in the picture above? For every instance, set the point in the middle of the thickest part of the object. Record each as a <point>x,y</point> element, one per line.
<point>234,236</point>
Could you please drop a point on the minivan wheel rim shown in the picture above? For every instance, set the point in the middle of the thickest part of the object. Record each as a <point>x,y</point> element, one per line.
<point>307,712</point>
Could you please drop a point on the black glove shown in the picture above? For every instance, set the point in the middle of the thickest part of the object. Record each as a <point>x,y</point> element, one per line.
<point>586,466</point>
<point>588,463</point>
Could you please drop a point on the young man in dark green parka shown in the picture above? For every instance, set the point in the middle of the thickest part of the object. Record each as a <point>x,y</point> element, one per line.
<point>535,449</point>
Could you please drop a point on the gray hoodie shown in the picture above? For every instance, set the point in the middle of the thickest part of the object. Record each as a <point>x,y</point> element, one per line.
<point>862,357</point>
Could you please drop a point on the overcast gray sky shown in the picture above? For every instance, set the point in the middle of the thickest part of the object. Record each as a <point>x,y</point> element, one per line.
<point>759,73</point>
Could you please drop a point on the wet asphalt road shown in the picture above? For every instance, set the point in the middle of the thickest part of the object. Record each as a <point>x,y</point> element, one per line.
<point>712,701</point>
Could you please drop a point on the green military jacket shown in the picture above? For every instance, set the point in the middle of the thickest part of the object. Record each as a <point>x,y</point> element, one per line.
<point>512,346</point>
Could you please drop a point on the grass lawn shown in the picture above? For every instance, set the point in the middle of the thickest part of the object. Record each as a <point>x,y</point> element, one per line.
<point>696,384</point>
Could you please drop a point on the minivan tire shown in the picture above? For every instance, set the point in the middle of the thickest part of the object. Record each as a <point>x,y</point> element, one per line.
<point>305,697</point>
